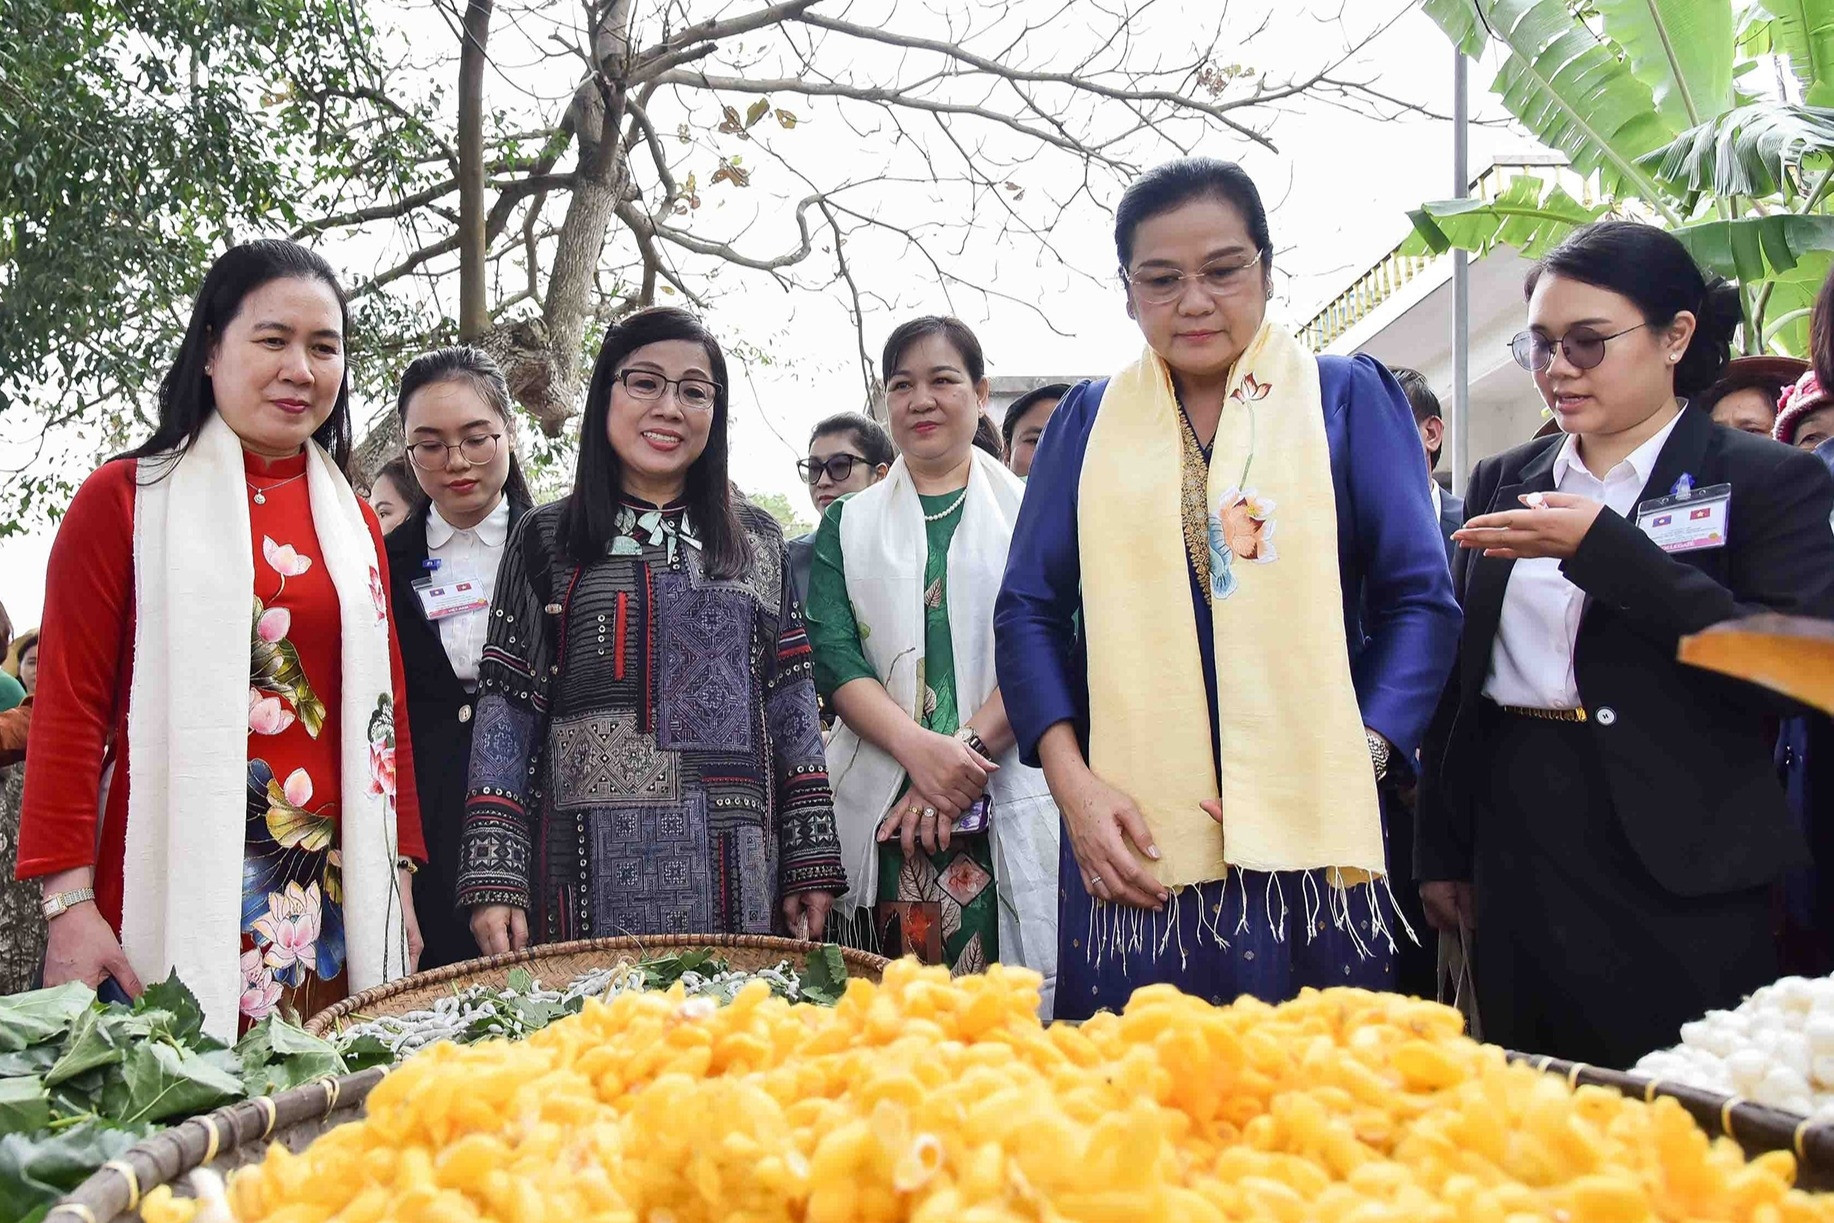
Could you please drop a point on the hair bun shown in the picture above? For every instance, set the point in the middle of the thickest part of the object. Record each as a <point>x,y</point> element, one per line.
<point>1722,310</point>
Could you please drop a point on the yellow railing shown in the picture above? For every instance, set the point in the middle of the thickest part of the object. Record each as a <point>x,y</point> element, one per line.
<point>1394,271</point>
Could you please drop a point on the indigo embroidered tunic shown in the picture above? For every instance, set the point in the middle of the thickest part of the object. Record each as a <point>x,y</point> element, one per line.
<point>648,754</point>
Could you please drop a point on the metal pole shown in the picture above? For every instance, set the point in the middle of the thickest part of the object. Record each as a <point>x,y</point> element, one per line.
<point>1461,284</point>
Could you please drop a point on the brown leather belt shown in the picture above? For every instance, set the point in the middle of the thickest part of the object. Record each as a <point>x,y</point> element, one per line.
<point>1547,715</point>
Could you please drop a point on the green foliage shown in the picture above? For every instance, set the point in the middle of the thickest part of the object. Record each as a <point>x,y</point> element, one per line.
<point>778,506</point>
<point>1528,215</point>
<point>1641,93</point>
<point>137,140</point>
<point>82,1081</point>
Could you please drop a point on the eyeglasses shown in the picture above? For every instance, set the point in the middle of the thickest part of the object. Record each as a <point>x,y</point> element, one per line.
<point>1161,287</point>
<point>1535,352</point>
<point>695,393</point>
<point>478,449</point>
<point>839,468</point>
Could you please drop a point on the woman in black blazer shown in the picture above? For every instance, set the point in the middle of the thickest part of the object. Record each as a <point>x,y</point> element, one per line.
<point>455,411</point>
<point>1606,819</point>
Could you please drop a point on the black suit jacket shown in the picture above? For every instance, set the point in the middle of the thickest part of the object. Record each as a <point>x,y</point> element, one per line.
<point>1451,517</point>
<point>1686,751</point>
<point>439,719</point>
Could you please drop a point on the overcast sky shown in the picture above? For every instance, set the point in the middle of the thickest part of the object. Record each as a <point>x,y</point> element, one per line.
<point>1339,187</point>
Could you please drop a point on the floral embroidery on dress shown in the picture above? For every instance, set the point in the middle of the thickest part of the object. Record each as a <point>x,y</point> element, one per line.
<point>260,991</point>
<point>284,559</point>
<point>288,932</point>
<point>292,882</point>
<point>275,669</point>
<point>377,595</point>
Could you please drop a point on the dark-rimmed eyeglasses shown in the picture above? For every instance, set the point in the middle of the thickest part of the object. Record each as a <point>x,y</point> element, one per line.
<point>695,393</point>
<point>478,449</point>
<point>1162,286</point>
<point>1534,352</point>
<point>838,466</point>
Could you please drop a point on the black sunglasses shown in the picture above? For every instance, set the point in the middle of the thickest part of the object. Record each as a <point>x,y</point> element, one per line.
<point>839,467</point>
<point>1535,352</point>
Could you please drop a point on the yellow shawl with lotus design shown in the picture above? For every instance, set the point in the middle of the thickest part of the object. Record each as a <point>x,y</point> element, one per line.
<point>1259,527</point>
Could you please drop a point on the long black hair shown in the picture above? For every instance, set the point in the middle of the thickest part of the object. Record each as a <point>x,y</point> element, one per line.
<point>475,368</point>
<point>588,522</point>
<point>186,399</point>
<point>1175,184</point>
<point>1651,268</point>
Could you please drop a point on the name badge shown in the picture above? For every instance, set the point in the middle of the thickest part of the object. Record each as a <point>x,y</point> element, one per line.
<point>455,596</point>
<point>1689,520</point>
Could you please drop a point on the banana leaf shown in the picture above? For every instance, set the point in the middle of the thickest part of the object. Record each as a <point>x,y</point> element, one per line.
<point>1748,151</point>
<point>1803,32</point>
<point>1754,249</point>
<point>1568,87</point>
<point>1527,214</point>
<point>1681,49</point>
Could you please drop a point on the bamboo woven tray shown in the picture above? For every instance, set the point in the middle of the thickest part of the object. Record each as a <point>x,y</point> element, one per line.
<point>1754,1127</point>
<point>228,1138</point>
<point>557,963</point>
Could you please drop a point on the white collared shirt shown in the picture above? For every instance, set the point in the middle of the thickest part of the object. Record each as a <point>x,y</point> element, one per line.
<point>472,552</point>
<point>1438,497</point>
<point>1531,662</point>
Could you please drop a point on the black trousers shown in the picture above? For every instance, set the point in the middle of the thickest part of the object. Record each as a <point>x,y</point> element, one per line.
<point>1579,952</point>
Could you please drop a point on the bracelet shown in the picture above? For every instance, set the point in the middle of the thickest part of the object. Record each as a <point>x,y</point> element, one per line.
<point>407,864</point>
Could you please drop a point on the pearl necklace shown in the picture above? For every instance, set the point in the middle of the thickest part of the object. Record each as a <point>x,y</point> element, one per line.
<point>954,505</point>
<point>261,493</point>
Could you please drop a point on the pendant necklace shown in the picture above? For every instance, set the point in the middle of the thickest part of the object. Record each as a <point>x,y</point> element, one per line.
<point>261,493</point>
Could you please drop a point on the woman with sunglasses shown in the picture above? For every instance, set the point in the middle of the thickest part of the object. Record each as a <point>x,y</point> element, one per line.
<point>443,560</point>
<point>848,452</point>
<point>648,754</point>
<point>1266,620</point>
<point>1606,819</point>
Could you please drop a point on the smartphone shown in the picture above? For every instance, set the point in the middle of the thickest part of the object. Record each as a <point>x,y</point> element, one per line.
<point>109,990</point>
<point>975,819</point>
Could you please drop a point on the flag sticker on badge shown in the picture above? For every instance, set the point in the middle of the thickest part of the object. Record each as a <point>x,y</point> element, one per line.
<point>1688,520</point>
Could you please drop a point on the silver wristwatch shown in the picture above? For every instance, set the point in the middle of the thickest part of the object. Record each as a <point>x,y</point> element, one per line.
<point>1379,752</point>
<point>59,903</point>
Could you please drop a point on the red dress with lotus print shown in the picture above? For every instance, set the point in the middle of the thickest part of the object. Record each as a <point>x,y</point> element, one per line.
<point>292,897</point>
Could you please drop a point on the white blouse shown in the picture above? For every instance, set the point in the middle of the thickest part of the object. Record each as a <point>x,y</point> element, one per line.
<point>475,552</point>
<point>1531,662</point>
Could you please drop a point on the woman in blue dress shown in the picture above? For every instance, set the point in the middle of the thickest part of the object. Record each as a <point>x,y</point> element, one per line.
<point>1212,699</point>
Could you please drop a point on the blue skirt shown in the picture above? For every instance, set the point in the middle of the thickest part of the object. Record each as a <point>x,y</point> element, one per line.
<point>1247,934</point>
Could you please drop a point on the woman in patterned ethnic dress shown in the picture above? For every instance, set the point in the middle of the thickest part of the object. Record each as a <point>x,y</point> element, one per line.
<point>901,614</point>
<point>252,802</point>
<point>648,755</point>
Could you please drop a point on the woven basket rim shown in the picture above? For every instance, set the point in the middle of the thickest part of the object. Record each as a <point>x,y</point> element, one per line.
<point>327,1020</point>
<point>1755,1127</point>
<point>119,1186</point>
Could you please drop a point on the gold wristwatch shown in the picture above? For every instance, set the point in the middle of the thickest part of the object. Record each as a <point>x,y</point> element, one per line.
<point>59,903</point>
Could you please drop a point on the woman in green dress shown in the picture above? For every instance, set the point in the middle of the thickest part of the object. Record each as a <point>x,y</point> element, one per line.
<point>949,842</point>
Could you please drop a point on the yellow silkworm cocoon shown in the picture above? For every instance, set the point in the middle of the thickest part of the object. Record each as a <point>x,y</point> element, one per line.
<point>931,1100</point>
